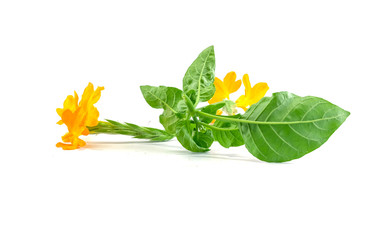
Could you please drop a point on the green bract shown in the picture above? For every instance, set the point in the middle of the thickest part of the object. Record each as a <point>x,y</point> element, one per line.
<point>279,128</point>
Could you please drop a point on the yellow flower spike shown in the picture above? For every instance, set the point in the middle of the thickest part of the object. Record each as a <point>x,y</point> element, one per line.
<point>252,94</point>
<point>224,88</point>
<point>78,116</point>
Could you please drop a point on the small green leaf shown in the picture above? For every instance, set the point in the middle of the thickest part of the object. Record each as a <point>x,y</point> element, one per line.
<point>169,99</point>
<point>163,97</point>
<point>169,120</point>
<point>184,135</point>
<point>204,139</point>
<point>286,126</point>
<point>198,82</point>
<point>211,109</point>
<point>228,138</point>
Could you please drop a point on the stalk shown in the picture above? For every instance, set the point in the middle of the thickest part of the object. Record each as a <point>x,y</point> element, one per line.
<point>129,129</point>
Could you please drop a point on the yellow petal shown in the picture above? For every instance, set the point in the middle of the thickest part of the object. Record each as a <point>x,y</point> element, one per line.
<point>240,101</point>
<point>92,117</point>
<point>257,92</point>
<point>96,95</point>
<point>219,92</point>
<point>68,118</point>
<point>252,94</point>
<point>86,132</point>
<point>75,98</point>
<point>230,83</point>
<point>67,137</point>
<point>215,100</point>
<point>246,82</point>
<point>71,146</point>
<point>67,146</point>
<point>59,111</point>
<point>86,94</point>
<point>69,103</point>
<point>224,88</point>
<point>81,143</point>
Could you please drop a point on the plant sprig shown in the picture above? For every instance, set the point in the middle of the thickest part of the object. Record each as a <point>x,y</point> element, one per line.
<point>279,128</point>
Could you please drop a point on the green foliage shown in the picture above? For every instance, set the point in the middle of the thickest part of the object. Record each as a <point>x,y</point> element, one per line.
<point>169,99</point>
<point>229,135</point>
<point>162,97</point>
<point>185,136</point>
<point>204,138</point>
<point>288,126</point>
<point>276,129</point>
<point>198,82</point>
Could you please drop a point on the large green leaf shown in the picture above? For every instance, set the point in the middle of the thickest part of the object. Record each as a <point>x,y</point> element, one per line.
<point>199,143</point>
<point>230,135</point>
<point>169,99</point>
<point>198,82</point>
<point>285,126</point>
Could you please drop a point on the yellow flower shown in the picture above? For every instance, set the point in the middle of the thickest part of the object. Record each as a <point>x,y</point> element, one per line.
<point>78,116</point>
<point>252,94</point>
<point>230,85</point>
<point>224,88</point>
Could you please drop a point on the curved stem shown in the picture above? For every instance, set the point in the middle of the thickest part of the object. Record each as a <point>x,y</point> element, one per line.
<point>217,128</point>
<point>226,119</point>
<point>189,104</point>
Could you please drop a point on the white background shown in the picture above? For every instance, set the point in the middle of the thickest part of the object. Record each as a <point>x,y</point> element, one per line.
<point>118,188</point>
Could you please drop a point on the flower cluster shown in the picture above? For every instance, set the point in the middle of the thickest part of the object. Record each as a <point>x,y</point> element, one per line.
<point>78,116</point>
<point>231,85</point>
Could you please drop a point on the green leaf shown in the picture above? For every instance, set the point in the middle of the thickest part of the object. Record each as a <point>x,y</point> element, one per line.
<point>204,139</point>
<point>169,120</point>
<point>198,82</point>
<point>288,126</point>
<point>211,109</point>
<point>184,135</point>
<point>169,99</point>
<point>228,138</point>
<point>163,97</point>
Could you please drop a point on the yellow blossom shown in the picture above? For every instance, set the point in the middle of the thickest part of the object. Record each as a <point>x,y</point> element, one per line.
<point>230,85</point>
<point>224,88</point>
<point>252,94</point>
<point>78,116</point>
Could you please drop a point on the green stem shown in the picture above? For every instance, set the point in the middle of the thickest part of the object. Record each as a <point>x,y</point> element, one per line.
<point>189,104</point>
<point>217,128</point>
<point>113,127</point>
<point>226,119</point>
